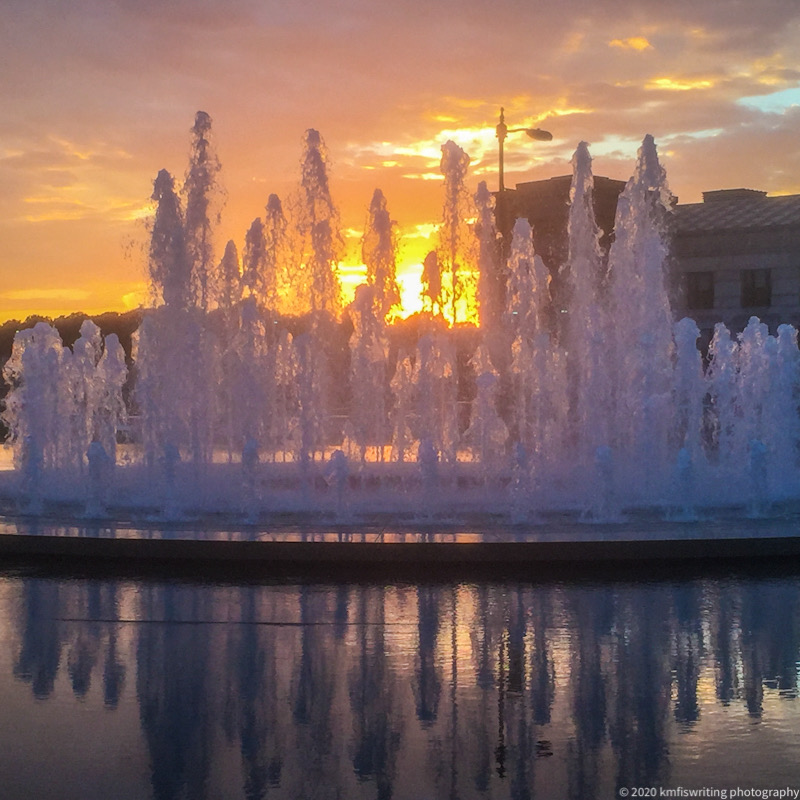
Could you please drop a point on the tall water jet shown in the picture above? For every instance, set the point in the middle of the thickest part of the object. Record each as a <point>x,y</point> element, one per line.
<point>721,376</point>
<point>604,503</point>
<point>244,399</point>
<point>277,284</point>
<point>402,389</point>
<point>312,385</point>
<point>785,423</point>
<point>428,462</point>
<point>229,300</point>
<point>78,369</point>
<point>250,386</point>
<point>588,334</point>
<point>490,287</point>
<point>202,190</point>
<point>379,253</point>
<point>109,414</point>
<point>689,390</point>
<point>642,321</point>
<point>29,459</point>
<point>176,351</point>
<point>685,488</point>
<point>173,349</point>
<point>337,474</point>
<point>537,365</point>
<point>169,264</point>
<point>250,461</point>
<point>487,433</point>
<point>99,469</point>
<point>369,352</point>
<point>319,225</point>
<point>230,278</point>
<point>689,394</point>
<point>520,484</point>
<point>432,295</point>
<point>434,381</point>
<point>454,242</point>
<point>254,261</point>
<point>281,423</point>
<point>768,387</point>
<point>170,458</point>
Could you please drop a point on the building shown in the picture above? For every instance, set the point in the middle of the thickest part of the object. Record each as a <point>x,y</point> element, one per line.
<point>733,256</point>
<point>545,204</point>
<point>737,255</point>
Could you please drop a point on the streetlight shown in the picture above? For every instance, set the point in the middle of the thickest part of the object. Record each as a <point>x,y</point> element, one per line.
<point>503,130</point>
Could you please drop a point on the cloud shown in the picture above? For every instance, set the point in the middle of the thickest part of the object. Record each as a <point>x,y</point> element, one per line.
<point>638,43</point>
<point>679,84</point>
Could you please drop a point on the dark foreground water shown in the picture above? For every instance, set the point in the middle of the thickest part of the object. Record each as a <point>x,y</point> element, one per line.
<point>139,688</point>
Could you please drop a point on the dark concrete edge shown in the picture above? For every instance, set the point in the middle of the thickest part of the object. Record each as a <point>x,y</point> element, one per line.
<point>382,564</point>
<point>332,553</point>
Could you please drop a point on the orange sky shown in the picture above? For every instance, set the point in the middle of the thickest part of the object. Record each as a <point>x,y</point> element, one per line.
<point>98,95</point>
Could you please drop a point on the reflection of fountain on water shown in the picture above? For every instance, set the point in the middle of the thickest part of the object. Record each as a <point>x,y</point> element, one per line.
<point>577,686</point>
<point>603,407</point>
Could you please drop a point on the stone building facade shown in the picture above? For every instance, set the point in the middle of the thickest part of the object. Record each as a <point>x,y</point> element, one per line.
<point>737,255</point>
<point>733,256</point>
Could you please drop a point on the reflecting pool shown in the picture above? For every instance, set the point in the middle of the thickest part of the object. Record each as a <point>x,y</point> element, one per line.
<point>142,687</point>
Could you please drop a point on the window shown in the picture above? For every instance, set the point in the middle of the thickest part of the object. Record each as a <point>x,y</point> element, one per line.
<point>756,288</point>
<point>699,290</point>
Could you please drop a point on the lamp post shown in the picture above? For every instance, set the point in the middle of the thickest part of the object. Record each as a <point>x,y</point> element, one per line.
<point>503,212</point>
<point>537,134</point>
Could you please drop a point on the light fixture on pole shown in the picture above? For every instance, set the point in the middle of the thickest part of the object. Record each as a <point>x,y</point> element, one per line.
<point>503,130</point>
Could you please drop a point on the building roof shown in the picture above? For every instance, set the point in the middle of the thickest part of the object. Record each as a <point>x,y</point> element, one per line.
<point>562,184</point>
<point>737,209</point>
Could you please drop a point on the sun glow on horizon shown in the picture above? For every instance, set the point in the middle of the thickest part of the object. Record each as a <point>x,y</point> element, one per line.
<point>409,281</point>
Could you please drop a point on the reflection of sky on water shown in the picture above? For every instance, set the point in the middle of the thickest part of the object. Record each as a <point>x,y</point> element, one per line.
<point>140,689</point>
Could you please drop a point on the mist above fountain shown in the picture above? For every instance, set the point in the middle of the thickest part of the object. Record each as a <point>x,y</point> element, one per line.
<point>596,408</point>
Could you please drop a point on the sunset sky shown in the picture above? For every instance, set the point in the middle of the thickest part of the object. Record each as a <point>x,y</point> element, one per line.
<point>98,95</point>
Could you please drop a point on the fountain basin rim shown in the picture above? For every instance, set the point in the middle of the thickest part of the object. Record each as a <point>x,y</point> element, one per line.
<point>282,553</point>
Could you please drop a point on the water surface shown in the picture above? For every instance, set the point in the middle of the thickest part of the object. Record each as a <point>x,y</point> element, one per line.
<point>151,688</point>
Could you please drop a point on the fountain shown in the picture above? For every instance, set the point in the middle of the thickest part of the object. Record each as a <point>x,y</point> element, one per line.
<point>596,413</point>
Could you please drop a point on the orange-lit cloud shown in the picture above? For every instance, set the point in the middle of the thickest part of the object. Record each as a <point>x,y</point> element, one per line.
<point>632,43</point>
<point>680,84</point>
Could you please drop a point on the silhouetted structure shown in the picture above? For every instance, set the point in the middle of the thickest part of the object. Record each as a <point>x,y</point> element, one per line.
<point>545,204</point>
